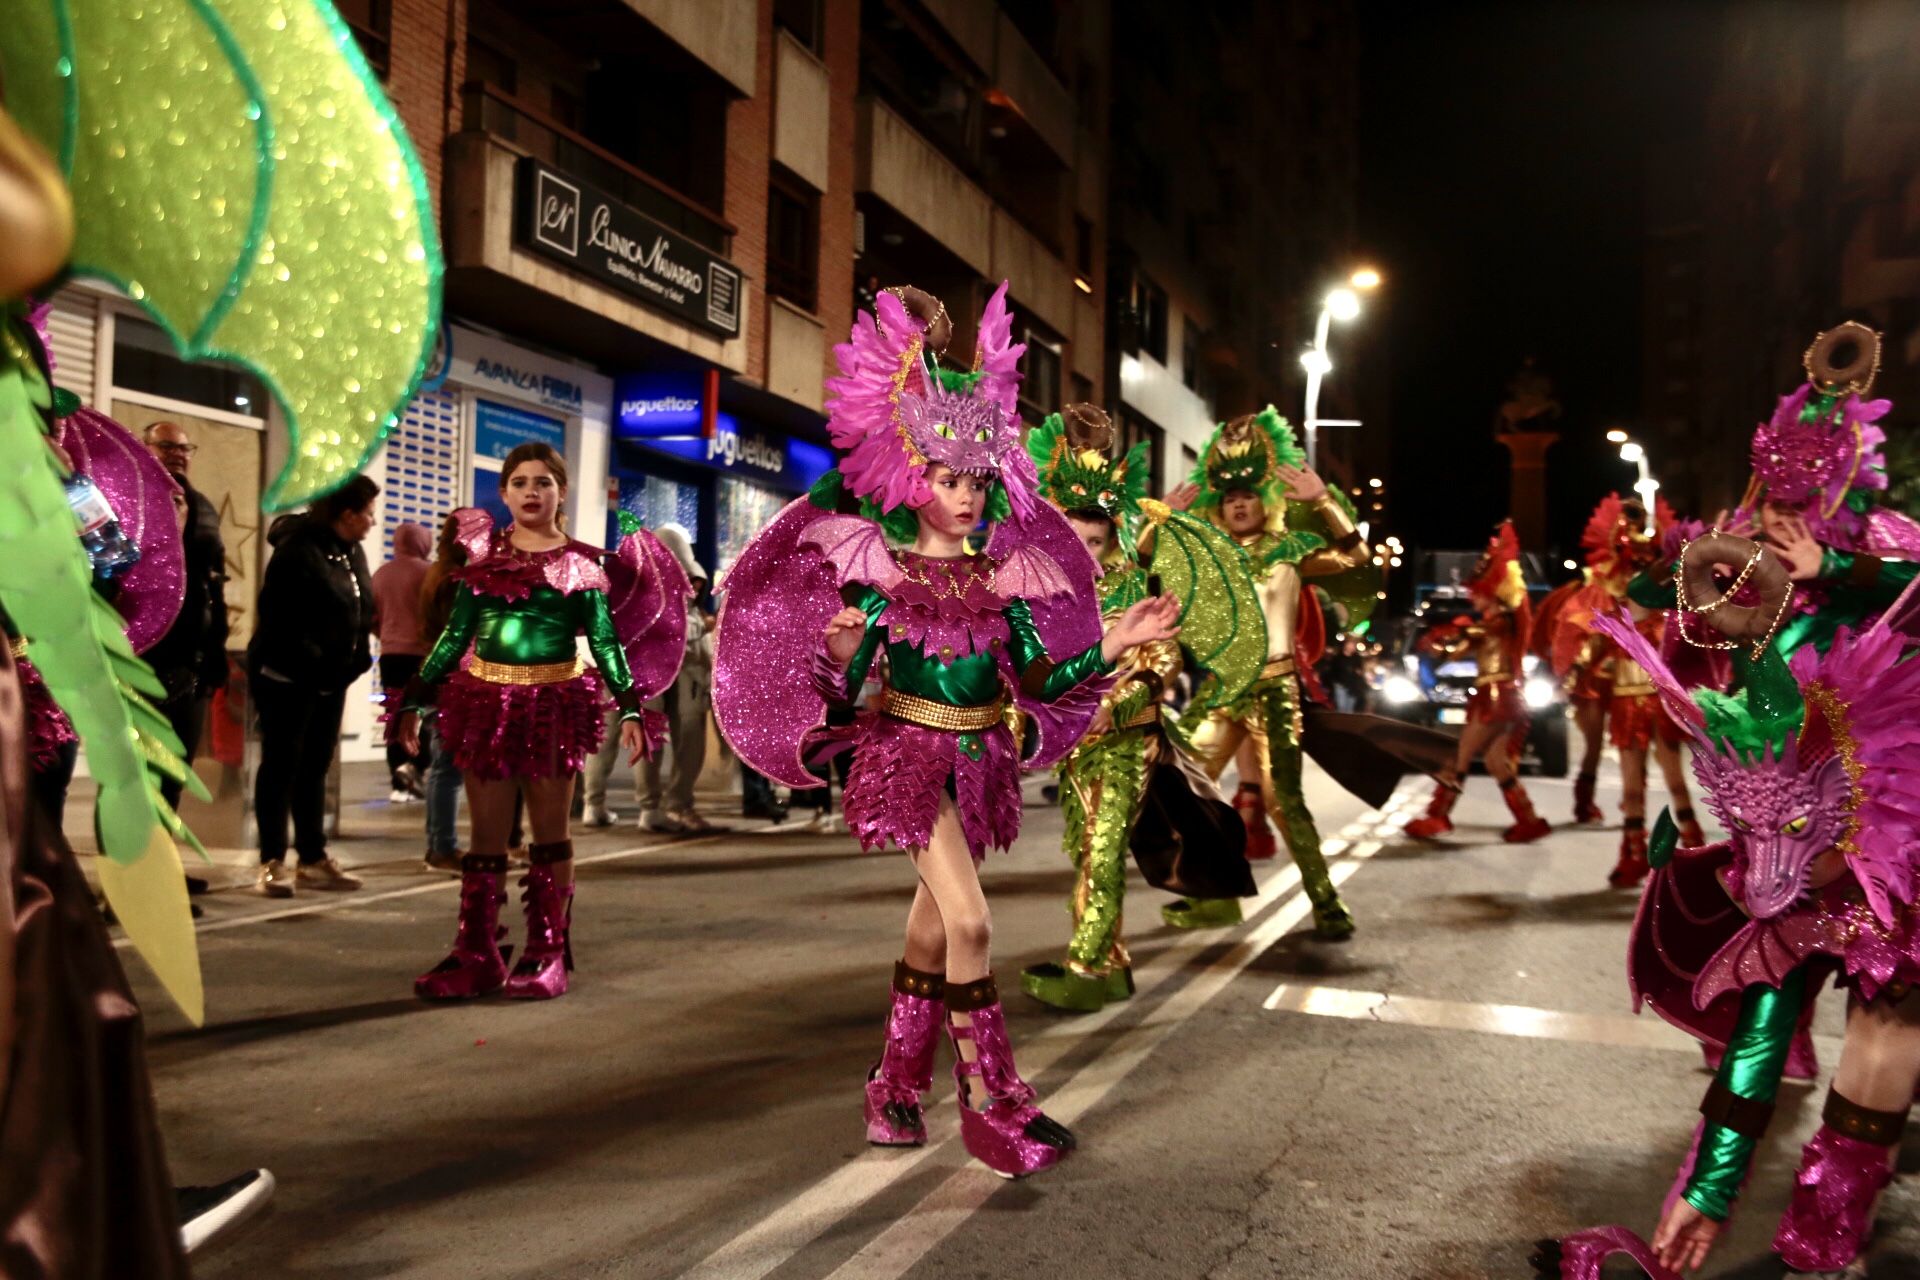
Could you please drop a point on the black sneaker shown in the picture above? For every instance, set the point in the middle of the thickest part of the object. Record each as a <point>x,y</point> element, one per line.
<point>209,1212</point>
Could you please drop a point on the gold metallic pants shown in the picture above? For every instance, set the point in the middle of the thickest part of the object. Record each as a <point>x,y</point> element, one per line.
<point>1278,759</point>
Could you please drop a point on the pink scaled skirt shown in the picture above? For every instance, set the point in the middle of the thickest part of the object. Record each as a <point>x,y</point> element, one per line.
<point>498,731</point>
<point>901,771</point>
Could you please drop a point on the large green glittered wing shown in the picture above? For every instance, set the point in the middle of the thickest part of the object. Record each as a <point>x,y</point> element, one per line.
<point>1221,623</point>
<point>75,639</point>
<point>239,173</point>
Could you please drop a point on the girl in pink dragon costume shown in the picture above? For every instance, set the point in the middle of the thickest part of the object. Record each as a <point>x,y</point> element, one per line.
<point>520,712</point>
<point>878,555</point>
<point>1813,768</point>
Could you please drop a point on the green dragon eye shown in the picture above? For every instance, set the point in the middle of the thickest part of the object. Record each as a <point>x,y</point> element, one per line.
<point>983,435</point>
<point>1796,826</point>
<point>944,431</point>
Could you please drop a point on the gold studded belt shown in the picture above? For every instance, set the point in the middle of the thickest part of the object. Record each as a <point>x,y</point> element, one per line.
<point>929,714</point>
<point>1277,667</point>
<point>524,673</point>
<point>1634,691</point>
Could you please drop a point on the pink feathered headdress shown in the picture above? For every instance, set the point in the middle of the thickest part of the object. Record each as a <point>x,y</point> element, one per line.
<point>893,414</point>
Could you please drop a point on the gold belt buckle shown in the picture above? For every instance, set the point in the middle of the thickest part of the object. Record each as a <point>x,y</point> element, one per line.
<point>524,673</point>
<point>929,714</point>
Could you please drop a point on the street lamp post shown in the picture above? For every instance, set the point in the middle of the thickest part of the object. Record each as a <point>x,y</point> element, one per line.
<point>1342,304</point>
<point>1646,486</point>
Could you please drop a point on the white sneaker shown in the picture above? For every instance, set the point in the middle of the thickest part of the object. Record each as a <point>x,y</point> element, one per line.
<point>208,1212</point>
<point>595,815</point>
<point>398,796</point>
<point>325,874</point>
<point>275,880</point>
<point>662,821</point>
<point>833,824</point>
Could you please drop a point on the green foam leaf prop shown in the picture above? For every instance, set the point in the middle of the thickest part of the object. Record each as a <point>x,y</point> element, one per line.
<point>238,171</point>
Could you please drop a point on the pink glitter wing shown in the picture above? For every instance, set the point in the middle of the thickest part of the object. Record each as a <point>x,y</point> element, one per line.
<point>1068,621</point>
<point>855,547</point>
<point>1878,697</point>
<point>647,594</point>
<point>1684,918</point>
<point>878,364</point>
<point>777,601</point>
<point>1673,695</point>
<point>1892,535</point>
<point>141,494</point>
<point>1033,575</point>
<point>1583,1256</point>
<point>473,530</point>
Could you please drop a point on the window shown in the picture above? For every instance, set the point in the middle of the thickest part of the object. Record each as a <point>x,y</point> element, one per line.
<point>372,24</point>
<point>1149,307</point>
<point>1191,340</point>
<point>1041,370</point>
<point>801,19</point>
<point>793,240</point>
<point>1134,429</point>
<point>1083,248</point>
<point>1082,389</point>
<point>488,65</point>
<point>144,360</point>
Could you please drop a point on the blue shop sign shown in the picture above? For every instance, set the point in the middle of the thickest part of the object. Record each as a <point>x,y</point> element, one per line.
<point>652,406</point>
<point>792,465</point>
<point>499,428</point>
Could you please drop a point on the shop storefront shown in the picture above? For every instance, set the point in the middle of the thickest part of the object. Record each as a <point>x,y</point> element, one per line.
<point>678,457</point>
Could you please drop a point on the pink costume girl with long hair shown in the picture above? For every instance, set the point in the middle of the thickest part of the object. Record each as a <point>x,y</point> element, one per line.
<point>521,712</point>
<point>879,555</point>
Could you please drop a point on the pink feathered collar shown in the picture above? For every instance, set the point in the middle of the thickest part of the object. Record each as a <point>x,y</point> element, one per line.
<point>511,574</point>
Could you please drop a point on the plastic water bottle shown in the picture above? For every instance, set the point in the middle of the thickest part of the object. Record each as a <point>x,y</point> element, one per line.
<point>108,546</point>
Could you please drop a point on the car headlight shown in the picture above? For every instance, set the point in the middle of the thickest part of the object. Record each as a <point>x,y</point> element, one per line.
<point>1540,693</point>
<point>1399,690</point>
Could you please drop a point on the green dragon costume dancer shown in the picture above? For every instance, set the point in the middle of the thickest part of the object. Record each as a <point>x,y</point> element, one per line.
<point>1252,484</point>
<point>1128,783</point>
<point>235,170</point>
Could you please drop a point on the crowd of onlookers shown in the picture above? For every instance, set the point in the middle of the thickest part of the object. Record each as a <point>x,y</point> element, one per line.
<point>321,619</point>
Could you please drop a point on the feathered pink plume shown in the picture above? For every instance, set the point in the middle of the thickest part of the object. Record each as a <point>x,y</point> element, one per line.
<point>879,363</point>
<point>997,357</point>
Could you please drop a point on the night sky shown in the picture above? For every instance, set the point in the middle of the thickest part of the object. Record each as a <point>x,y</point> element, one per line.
<point>1502,146</point>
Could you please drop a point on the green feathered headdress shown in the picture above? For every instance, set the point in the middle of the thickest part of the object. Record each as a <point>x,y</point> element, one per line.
<point>1247,453</point>
<point>1766,710</point>
<point>1073,452</point>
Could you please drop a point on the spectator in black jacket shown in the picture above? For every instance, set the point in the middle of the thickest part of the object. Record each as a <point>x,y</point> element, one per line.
<point>311,640</point>
<point>191,658</point>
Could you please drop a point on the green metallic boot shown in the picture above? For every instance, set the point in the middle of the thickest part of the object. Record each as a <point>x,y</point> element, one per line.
<point>1202,913</point>
<point>1059,987</point>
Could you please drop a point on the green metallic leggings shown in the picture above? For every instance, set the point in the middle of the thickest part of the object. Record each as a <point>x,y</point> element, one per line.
<point>1101,787</point>
<point>1278,761</point>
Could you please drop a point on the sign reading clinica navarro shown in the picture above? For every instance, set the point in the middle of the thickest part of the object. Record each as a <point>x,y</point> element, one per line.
<point>580,226</point>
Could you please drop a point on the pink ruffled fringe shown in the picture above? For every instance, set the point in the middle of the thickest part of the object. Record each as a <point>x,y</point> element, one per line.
<point>498,731</point>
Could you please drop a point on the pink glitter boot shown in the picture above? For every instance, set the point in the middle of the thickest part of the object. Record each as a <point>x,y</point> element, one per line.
<point>475,966</point>
<point>548,958</point>
<point>905,1070</point>
<point>1010,1136</point>
<point>1843,1169</point>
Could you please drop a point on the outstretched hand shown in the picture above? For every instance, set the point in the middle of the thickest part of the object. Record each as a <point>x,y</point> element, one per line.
<point>1181,496</point>
<point>633,739</point>
<point>1303,483</point>
<point>844,633</point>
<point>1155,618</point>
<point>1684,1237</point>
<point>1793,542</point>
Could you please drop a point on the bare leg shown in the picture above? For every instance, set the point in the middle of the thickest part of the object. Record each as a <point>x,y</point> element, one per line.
<point>490,810</point>
<point>926,948</point>
<point>1591,719</point>
<point>1633,783</point>
<point>547,802</point>
<point>948,875</point>
<point>1477,740</point>
<point>1880,1062</point>
<point>1674,771</point>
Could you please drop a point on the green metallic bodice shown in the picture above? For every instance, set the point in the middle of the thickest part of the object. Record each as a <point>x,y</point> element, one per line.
<point>531,632</point>
<point>968,680</point>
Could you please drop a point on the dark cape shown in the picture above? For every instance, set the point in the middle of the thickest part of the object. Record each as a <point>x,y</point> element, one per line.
<point>1188,839</point>
<point>84,1189</point>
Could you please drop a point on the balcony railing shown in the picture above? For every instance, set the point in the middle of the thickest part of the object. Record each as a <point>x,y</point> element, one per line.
<point>488,110</point>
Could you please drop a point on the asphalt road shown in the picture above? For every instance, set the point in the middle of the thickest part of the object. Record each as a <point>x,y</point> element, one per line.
<point>1424,1101</point>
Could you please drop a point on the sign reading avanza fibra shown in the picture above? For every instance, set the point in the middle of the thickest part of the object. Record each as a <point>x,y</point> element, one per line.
<point>577,224</point>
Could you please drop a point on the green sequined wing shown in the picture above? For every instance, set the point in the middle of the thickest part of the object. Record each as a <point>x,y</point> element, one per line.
<point>1221,623</point>
<point>238,171</point>
<point>76,640</point>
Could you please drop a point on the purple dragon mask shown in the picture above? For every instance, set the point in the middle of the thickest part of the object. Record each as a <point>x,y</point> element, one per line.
<point>1820,754</point>
<point>893,414</point>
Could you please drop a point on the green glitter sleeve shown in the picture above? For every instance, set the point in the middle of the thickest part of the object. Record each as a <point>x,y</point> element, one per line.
<point>1755,1058</point>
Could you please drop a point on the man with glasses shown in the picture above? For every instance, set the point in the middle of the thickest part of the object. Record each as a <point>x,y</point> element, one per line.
<point>191,659</point>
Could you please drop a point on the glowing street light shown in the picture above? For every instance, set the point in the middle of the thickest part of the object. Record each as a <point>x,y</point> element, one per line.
<point>1341,304</point>
<point>1365,278</point>
<point>1632,452</point>
<point>1616,436</point>
<point>1316,363</point>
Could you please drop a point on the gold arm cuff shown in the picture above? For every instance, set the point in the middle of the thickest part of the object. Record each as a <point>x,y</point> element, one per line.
<point>518,673</point>
<point>17,647</point>
<point>1338,522</point>
<point>1633,690</point>
<point>1277,667</point>
<point>929,714</point>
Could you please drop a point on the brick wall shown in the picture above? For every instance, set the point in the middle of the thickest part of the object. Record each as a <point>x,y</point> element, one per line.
<point>842,56</point>
<point>749,151</point>
<point>417,81</point>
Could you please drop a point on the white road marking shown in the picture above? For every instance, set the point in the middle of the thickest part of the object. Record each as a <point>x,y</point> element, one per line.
<point>334,902</point>
<point>772,1241</point>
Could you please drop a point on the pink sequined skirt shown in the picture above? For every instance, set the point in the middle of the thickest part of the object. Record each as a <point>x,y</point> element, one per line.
<point>48,728</point>
<point>497,731</point>
<point>901,771</point>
